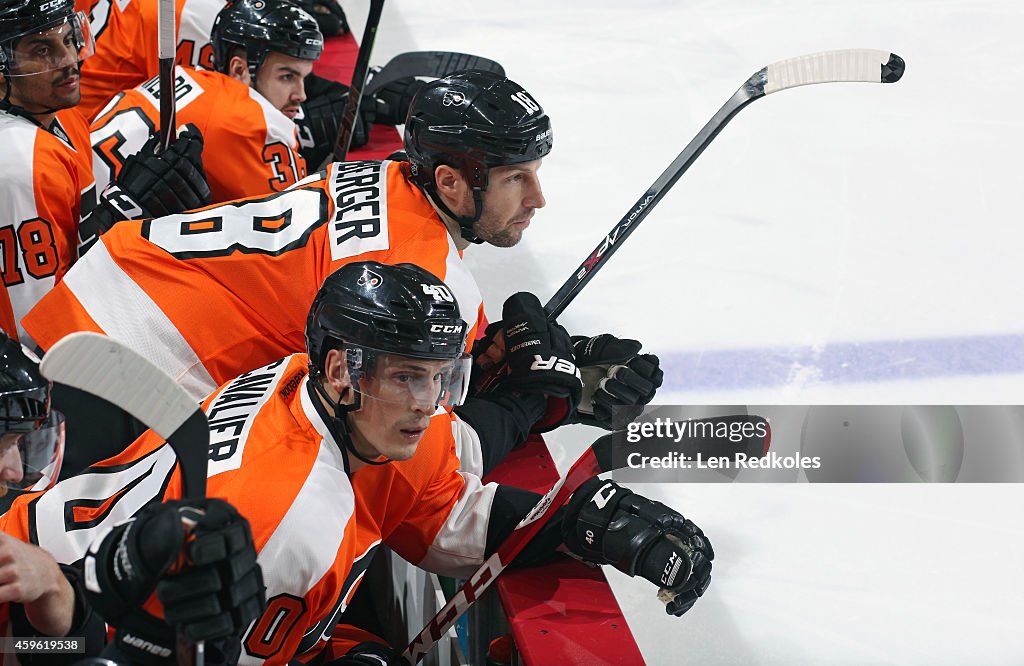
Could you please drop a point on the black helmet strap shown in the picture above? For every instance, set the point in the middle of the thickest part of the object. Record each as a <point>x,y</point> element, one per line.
<point>466,223</point>
<point>337,419</point>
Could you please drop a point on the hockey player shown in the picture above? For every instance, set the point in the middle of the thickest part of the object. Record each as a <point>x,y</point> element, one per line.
<point>334,452</point>
<point>46,183</point>
<point>262,50</point>
<point>37,597</point>
<point>214,293</point>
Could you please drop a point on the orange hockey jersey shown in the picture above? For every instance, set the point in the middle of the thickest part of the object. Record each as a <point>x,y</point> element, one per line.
<point>46,185</point>
<point>250,147</point>
<point>210,294</point>
<point>315,526</point>
<point>126,44</point>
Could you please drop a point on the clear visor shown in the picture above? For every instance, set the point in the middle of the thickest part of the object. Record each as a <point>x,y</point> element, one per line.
<point>58,47</point>
<point>31,460</point>
<point>405,380</point>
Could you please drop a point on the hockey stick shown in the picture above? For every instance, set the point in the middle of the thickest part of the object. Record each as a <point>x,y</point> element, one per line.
<point>598,458</point>
<point>828,67</point>
<point>355,91</point>
<point>432,64</point>
<point>595,460</point>
<point>116,373</point>
<point>167,47</point>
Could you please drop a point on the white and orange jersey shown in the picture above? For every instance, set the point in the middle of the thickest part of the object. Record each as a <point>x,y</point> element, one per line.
<point>213,293</point>
<point>315,525</point>
<point>249,146</point>
<point>126,44</point>
<point>46,186</point>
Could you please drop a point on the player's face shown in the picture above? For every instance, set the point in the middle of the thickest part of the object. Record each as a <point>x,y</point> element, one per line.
<point>397,401</point>
<point>45,72</point>
<point>280,80</point>
<point>513,194</point>
<point>11,470</point>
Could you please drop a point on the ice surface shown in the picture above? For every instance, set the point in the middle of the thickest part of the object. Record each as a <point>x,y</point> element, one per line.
<point>848,243</point>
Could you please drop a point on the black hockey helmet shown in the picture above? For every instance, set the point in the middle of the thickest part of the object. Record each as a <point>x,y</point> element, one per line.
<point>381,317</point>
<point>471,121</point>
<point>401,310</point>
<point>27,423</point>
<point>19,18</point>
<point>262,26</point>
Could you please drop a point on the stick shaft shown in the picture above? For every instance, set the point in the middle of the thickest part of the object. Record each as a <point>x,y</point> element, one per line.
<point>847,65</point>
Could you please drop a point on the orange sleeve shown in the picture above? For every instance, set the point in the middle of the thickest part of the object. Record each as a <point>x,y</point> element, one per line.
<point>433,473</point>
<point>126,52</point>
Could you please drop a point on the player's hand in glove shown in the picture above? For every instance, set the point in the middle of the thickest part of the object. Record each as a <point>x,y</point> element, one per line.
<point>525,353</point>
<point>321,117</point>
<point>152,185</point>
<point>392,100</point>
<point>199,558</point>
<point>370,653</point>
<point>607,523</point>
<point>614,374</point>
<point>329,16</point>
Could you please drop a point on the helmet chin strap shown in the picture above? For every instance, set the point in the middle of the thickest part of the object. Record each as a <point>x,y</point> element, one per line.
<point>466,223</point>
<point>15,110</point>
<point>337,419</point>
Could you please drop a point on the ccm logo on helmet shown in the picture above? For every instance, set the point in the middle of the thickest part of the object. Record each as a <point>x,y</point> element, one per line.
<point>446,328</point>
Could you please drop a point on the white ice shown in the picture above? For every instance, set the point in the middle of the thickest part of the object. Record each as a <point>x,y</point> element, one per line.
<point>821,218</point>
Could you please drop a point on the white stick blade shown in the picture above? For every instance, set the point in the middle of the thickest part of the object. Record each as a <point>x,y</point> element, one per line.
<point>104,367</point>
<point>167,40</point>
<point>827,67</point>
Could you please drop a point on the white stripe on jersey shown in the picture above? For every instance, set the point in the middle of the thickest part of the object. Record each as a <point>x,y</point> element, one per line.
<point>468,448</point>
<point>68,544</point>
<point>463,285</point>
<point>148,331</point>
<point>305,543</point>
<point>458,548</point>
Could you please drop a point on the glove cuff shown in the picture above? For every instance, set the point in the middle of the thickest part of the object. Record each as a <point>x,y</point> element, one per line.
<point>122,204</point>
<point>589,515</point>
<point>131,647</point>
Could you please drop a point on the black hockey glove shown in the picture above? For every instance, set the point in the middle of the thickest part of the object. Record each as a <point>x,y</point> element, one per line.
<point>393,99</point>
<point>321,118</point>
<point>153,185</point>
<point>524,353</point>
<point>329,16</point>
<point>370,653</point>
<point>199,558</point>
<point>614,375</point>
<point>607,523</point>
